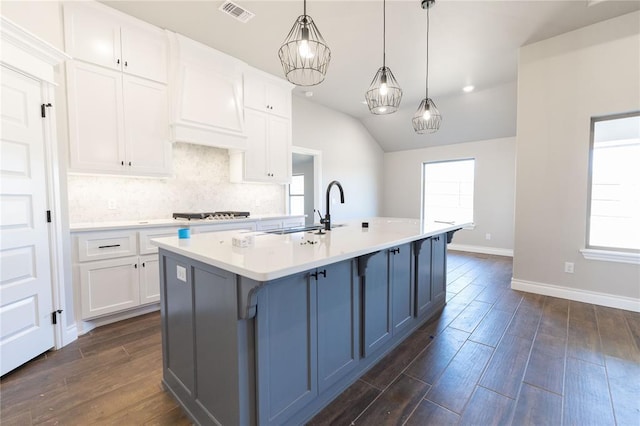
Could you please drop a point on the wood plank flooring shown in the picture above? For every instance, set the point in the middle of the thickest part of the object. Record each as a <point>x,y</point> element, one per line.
<point>494,356</point>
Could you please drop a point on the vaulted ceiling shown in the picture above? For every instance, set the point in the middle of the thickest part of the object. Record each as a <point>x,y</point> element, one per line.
<point>470,43</point>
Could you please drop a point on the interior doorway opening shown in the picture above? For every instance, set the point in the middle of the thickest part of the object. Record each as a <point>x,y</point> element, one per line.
<point>303,194</point>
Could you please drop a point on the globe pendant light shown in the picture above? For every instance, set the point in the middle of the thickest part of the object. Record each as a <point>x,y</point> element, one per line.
<point>304,54</point>
<point>384,94</point>
<point>427,118</point>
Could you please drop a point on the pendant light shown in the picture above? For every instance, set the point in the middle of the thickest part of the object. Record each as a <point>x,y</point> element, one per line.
<point>384,94</point>
<point>304,54</point>
<point>427,118</point>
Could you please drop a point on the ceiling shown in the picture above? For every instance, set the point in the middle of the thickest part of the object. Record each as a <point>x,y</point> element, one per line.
<point>470,42</point>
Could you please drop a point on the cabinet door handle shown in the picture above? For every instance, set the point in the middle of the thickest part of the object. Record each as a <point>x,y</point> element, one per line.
<point>122,163</point>
<point>135,265</point>
<point>126,64</point>
<point>118,61</point>
<point>317,273</point>
<point>143,265</point>
<point>109,246</point>
<point>129,162</point>
<point>395,250</point>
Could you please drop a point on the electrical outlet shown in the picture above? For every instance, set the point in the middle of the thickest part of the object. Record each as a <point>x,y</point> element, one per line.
<point>487,236</point>
<point>568,267</point>
<point>181,273</point>
<point>111,204</point>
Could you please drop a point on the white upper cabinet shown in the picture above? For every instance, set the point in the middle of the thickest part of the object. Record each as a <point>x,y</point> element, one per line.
<point>118,123</point>
<point>262,94</point>
<point>96,121</point>
<point>117,93</point>
<point>268,122</point>
<point>100,35</point>
<point>207,97</point>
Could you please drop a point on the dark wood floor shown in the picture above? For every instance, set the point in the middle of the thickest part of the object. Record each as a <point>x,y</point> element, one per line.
<point>494,356</point>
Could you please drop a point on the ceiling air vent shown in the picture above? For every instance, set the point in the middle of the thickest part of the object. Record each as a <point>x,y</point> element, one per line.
<point>238,12</point>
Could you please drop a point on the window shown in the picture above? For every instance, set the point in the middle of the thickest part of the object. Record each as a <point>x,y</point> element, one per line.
<point>448,191</point>
<point>614,187</point>
<point>296,195</point>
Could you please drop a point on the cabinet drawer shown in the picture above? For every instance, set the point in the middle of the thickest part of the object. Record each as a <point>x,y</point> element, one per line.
<point>106,245</point>
<point>145,237</point>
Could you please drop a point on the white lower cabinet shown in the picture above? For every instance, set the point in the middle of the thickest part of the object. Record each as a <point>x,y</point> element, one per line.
<point>117,270</point>
<point>149,279</point>
<point>108,286</point>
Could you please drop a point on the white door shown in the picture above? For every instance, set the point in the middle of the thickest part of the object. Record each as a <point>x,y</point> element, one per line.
<point>26,328</point>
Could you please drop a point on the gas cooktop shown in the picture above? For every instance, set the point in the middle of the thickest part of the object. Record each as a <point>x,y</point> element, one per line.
<point>211,216</point>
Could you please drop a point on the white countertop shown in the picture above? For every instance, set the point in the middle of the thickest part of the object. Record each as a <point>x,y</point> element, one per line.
<point>274,256</point>
<point>128,224</point>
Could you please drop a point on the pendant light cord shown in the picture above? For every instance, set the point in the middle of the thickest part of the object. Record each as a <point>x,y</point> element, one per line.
<point>304,8</point>
<point>427,78</point>
<point>384,33</point>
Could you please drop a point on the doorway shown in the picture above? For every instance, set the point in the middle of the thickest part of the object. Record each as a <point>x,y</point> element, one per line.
<point>303,194</point>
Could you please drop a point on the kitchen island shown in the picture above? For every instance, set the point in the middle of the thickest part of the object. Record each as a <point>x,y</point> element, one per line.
<point>272,332</point>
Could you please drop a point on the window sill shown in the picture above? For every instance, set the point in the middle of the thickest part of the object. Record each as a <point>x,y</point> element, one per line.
<point>611,256</point>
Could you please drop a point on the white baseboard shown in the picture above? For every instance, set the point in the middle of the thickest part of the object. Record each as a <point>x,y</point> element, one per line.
<point>70,334</point>
<point>586,296</point>
<point>87,326</point>
<point>481,249</point>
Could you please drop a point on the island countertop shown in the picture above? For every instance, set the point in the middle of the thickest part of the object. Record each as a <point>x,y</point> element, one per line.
<point>273,256</point>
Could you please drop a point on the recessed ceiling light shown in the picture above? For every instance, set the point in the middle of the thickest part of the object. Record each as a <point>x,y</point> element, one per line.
<point>308,93</point>
<point>468,88</point>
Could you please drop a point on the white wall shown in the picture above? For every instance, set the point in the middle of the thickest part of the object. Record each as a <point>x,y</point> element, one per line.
<point>562,83</point>
<point>493,189</point>
<point>349,155</point>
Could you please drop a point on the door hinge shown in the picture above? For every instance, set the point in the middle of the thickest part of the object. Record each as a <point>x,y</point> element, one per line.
<point>43,110</point>
<point>48,216</point>
<point>54,316</point>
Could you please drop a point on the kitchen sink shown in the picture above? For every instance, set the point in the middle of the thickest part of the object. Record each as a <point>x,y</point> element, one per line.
<point>295,229</point>
<point>301,229</point>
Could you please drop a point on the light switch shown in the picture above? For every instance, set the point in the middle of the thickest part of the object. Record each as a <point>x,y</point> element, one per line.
<point>181,273</point>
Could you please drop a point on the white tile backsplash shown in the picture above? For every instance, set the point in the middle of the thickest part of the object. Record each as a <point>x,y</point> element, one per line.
<point>200,183</point>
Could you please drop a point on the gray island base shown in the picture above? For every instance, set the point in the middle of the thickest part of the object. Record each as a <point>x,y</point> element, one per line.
<point>272,333</point>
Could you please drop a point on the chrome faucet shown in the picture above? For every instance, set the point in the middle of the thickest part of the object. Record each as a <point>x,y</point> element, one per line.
<point>327,218</point>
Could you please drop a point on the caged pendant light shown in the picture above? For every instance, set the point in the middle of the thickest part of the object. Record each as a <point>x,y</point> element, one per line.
<point>427,118</point>
<point>384,94</point>
<point>304,54</point>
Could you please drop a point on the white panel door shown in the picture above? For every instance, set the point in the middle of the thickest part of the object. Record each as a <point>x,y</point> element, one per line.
<point>146,132</point>
<point>25,272</point>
